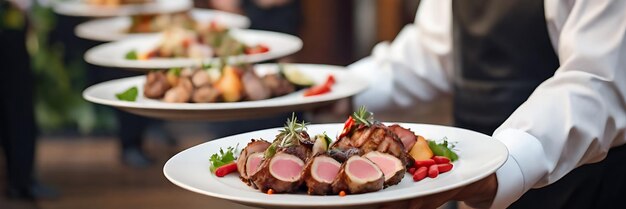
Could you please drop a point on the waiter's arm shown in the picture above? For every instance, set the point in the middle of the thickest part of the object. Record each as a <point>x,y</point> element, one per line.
<point>576,116</point>
<point>417,65</point>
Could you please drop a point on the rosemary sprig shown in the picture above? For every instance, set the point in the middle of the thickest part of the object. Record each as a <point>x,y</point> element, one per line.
<point>289,136</point>
<point>362,116</point>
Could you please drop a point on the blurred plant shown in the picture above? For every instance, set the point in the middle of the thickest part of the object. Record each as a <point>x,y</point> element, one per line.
<point>58,85</point>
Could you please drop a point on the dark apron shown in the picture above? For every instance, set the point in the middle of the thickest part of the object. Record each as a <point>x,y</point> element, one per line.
<point>502,53</point>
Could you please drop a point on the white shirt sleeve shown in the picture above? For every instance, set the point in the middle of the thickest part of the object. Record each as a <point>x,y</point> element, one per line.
<point>576,116</point>
<point>417,65</point>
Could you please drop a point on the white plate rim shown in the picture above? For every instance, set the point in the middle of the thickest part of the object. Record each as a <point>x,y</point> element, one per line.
<point>78,8</point>
<point>85,30</point>
<point>255,202</point>
<point>359,83</point>
<point>93,55</point>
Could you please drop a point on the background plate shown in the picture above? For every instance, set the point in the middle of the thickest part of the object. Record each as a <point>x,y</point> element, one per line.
<point>479,156</point>
<point>348,84</point>
<point>113,29</point>
<point>80,8</point>
<point>113,54</point>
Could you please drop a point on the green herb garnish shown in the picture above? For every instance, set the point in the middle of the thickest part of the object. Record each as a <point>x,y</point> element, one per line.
<point>223,158</point>
<point>289,136</point>
<point>132,55</point>
<point>362,116</point>
<point>128,95</point>
<point>443,149</point>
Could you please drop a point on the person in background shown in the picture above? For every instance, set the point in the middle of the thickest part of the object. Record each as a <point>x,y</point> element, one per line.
<point>18,131</point>
<point>546,78</point>
<point>273,15</point>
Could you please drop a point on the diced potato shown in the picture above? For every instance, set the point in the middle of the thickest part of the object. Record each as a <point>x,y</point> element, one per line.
<point>230,85</point>
<point>421,151</point>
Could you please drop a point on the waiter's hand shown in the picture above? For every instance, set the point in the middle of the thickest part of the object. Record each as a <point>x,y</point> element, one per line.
<point>478,195</point>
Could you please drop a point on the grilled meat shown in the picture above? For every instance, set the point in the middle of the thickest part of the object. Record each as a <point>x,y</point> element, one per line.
<point>392,168</point>
<point>376,137</point>
<point>283,172</point>
<point>358,175</point>
<point>255,146</point>
<point>319,173</point>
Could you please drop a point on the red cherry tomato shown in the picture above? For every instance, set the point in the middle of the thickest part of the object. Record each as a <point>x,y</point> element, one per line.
<point>258,49</point>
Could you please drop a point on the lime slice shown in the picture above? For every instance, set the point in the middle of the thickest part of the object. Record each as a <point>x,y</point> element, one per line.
<point>296,77</point>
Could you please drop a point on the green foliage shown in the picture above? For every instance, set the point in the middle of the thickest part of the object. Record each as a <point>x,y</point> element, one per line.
<point>128,95</point>
<point>443,149</point>
<point>58,84</point>
<point>132,55</point>
<point>223,158</point>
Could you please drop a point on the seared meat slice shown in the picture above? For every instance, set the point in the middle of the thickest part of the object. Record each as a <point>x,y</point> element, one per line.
<point>254,87</point>
<point>283,172</point>
<point>392,168</point>
<point>358,175</point>
<point>407,136</point>
<point>319,174</point>
<point>343,155</point>
<point>376,137</point>
<point>156,85</point>
<point>278,85</point>
<point>255,146</point>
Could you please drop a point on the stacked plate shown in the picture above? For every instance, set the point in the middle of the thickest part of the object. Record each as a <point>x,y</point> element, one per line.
<point>119,42</point>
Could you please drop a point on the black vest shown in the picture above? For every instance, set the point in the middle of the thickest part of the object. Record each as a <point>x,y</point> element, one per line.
<point>502,53</point>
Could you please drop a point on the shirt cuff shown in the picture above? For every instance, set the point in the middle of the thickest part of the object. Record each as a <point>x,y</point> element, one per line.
<point>522,169</point>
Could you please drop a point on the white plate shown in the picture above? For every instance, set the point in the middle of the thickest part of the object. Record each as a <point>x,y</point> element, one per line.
<point>348,84</point>
<point>479,156</point>
<point>113,54</point>
<point>113,29</point>
<point>81,8</point>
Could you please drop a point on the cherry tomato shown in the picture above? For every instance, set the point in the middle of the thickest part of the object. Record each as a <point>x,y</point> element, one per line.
<point>258,49</point>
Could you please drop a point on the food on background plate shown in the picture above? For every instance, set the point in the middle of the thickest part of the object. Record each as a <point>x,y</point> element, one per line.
<point>367,156</point>
<point>117,2</point>
<point>151,23</point>
<point>229,83</point>
<point>213,40</point>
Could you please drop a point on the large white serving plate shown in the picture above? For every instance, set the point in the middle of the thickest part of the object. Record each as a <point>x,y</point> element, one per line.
<point>348,84</point>
<point>113,54</point>
<point>81,8</point>
<point>479,156</point>
<point>115,28</point>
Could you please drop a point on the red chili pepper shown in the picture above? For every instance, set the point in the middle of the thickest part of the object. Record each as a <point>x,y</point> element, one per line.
<point>321,89</point>
<point>420,174</point>
<point>346,127</point>
<point>441,159</point>
<point>444,167</point>
<point>317,90</point>
<point>258,49</point>
<point>330,80</point>
<point>424,163</point>
<point>433,171</point>
<point>226,169</point>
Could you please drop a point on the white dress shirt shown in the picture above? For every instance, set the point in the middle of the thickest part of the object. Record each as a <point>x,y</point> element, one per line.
<point>571,119</point>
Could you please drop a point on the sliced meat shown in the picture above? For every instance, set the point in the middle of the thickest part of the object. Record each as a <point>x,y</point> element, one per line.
<point>376,137</point>
<point>254,87</point>
<point>358,175</point>
<point>319,174</point>
<point>254,163</point>
<point>205,94</point>
<point>407,136</point>
<point>283,172</point>
<point>342,155</point>
<point>278,85</point>
<point>156,85</point>
<point>254,146</point>
<point>392,168</point>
